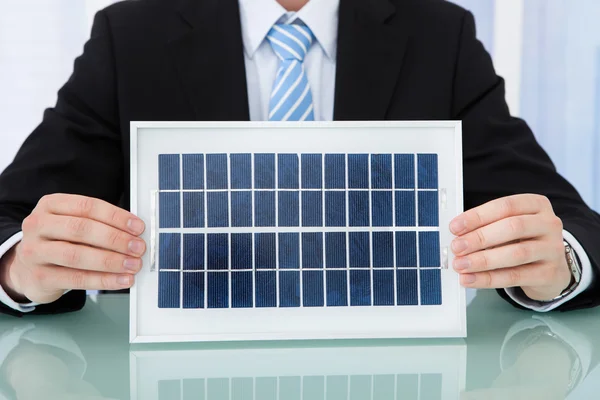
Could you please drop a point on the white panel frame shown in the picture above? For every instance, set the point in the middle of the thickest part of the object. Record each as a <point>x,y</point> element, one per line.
<point>148,323</point>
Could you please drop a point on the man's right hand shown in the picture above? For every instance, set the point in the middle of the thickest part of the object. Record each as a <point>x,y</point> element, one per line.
<point>73,242</point>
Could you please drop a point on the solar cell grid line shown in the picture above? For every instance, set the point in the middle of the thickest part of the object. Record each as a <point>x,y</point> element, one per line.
<point>347,201</point>
<point>277,193</point>
<point>181,225</point>
<point>205,273</point>
<point>323,240</point>
<point>253,247</point>
<point>371,224</point>
<point>300,272</point>
<point>416,161</point>
<point>229,275</point>
<point>394,234</point>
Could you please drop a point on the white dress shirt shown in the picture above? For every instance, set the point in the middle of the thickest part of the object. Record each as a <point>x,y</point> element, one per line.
<point>321,16</point>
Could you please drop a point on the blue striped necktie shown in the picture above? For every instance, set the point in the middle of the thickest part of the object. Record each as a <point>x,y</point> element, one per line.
<point>291,98</point>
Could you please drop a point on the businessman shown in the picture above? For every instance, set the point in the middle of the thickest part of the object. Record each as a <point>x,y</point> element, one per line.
<point>63,224</point>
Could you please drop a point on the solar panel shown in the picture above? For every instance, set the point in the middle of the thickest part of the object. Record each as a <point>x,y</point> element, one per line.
<point>260,231</point>
<point>286,230</point>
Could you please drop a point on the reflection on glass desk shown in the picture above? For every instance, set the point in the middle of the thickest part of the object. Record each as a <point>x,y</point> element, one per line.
<point>508,354</point>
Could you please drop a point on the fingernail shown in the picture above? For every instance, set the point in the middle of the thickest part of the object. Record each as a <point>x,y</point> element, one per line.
<point>468,279</point>
<point>132,264</point>
<point>461,264</point>
<point>458,226</point>
<point>136,226</point>
<point>136,247</point>
<point>125,280</point>
<point>458,246</point>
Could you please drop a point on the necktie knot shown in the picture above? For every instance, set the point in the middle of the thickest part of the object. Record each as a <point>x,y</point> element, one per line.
<point>290,42</point>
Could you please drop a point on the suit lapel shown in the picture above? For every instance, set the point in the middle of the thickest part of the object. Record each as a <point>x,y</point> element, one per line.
<point>209,58</point>
<point>369,60</point>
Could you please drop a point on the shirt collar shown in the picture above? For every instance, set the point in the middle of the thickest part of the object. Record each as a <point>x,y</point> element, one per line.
<point>259,16</point>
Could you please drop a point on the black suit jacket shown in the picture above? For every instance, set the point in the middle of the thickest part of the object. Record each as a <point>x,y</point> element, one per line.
<point>170,60</point>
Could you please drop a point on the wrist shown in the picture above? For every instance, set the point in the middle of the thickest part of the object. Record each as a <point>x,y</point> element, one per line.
<point>7,278</point>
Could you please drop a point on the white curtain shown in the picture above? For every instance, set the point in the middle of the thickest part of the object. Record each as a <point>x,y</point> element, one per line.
<point>555,87</point>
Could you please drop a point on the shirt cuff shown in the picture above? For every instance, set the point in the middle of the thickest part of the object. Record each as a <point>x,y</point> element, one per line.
<point>4,298</point>
<point>586,280</point>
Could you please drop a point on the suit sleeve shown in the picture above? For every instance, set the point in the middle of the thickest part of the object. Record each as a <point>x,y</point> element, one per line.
<point>502,156</point>
<point>76,149</point>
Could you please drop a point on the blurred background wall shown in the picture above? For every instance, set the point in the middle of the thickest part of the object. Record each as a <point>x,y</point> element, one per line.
<point>547,50</point>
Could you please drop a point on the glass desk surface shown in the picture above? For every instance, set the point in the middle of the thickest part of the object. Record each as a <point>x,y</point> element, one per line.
<point>509,354</point>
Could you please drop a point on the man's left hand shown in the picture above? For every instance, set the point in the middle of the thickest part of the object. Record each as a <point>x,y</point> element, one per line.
<point>515,241</point>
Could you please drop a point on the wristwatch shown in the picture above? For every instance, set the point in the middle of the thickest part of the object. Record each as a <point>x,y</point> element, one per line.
<point>575,268</point>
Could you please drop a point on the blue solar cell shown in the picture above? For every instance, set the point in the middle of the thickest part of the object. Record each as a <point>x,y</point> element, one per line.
<point>312,288</point>
<point>241,171</point>
<point>193,171</point>
<point>383,249</point>
<point>265,254</point>
<point>335,249</point>
<point>337,388</point>
<point>360,288</point>
<point>169,251</point>
<point>381,171</point>
<point>383,287</point>
<point>312,250</point>
<point>406,249</point>
<point>217,249</point>
<point>266,388</point>
<point>358,171</point>
<point>289,288</point>
<point>383,388</point>
<point>410,386</point>
<point>193,251</point>
<point>431,287</point>
<point>218,290</point>
<point>169,210</point>
<point>193,290</point>
<point>217,389</point>
<point>290,388</point>
<point>404,171</point>
<point>407,287</point>
<point>287,171</point>
<point>168,289</point>
<point>428,171</point>
<point>337,292</point>
<point>216,171</point>
<point>312,171</point>
<point>266,289</point>
<point>335,208</point>
<point>428,209</point>
<point>382,208</point>
<point>241,251</point>
<point>193,209</point>
<point>241,209</point>
<point>429,249</point>
<point>168,172</point>
<point>335,171</point>
<point>264,208</point>
<point>405,208</point>
<point>289,250</point>
<point>218,209</point>
<point>289,209</point>
<point>314,388</point>
<point>241,289</point>
<point>359,250</point>
<point>312,208</point>
<point>358,205</point>
<point>264,171</point>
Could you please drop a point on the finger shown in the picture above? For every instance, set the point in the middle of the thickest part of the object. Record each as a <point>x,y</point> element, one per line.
<point>499,233</point>
<point>60,278</point>
<point>512,255</point>
<point>87,258</point>
<point>496,210</point>
<point>90,232</point>
<point>91,208</point>
<point>537,274</point>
